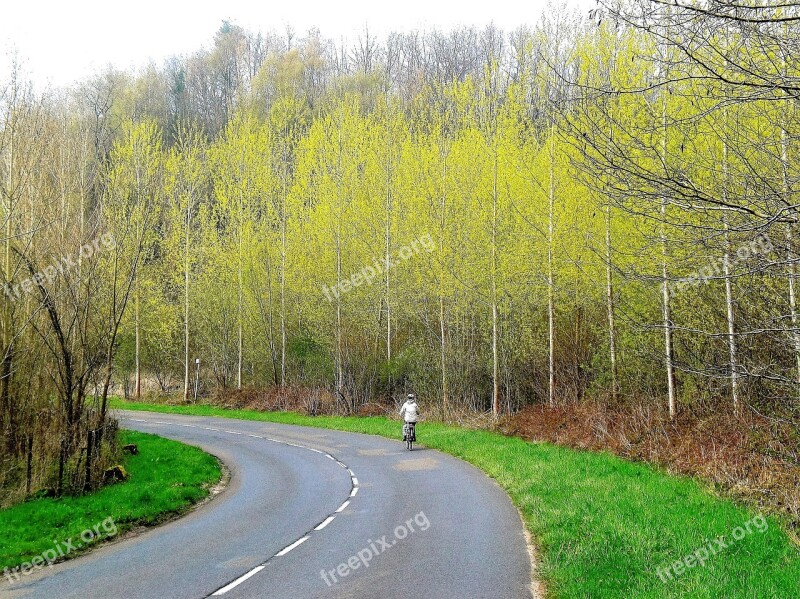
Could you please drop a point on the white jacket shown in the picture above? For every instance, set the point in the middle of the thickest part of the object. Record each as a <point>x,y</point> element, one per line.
<point>411,411</point>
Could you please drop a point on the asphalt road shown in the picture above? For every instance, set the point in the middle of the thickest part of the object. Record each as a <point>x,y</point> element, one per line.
<point>311,513</point>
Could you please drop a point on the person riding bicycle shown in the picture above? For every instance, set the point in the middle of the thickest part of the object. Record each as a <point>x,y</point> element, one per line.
<point>410,414</point>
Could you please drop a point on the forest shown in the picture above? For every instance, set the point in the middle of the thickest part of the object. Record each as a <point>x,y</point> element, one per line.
<point>595,207</point>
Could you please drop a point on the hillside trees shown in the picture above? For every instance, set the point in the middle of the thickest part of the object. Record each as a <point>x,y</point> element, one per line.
<point>569,212</point>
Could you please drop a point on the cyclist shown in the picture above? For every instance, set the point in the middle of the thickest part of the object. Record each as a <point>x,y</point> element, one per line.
<point>410,414</point>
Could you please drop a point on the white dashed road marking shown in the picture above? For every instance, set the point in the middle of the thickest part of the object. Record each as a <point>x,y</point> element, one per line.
<point>298,542</point>
<point>286,550</point>
<point>239,580</point>
<point>325,523</point>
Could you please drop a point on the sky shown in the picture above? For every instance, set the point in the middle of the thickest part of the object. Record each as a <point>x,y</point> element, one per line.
<point>59,42</point>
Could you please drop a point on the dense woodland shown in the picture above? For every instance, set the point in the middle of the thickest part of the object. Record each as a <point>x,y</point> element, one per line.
<point>596,206</point>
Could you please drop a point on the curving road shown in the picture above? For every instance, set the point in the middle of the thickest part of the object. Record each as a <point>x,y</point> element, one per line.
<point>311,513</point>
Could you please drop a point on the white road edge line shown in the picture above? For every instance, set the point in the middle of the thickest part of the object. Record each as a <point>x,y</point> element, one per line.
<point>353,493</point>
<point>239,580</point>
<point>286,550</point>
<point>355,481</point>
<point>327,521</point>
<point>341,507</point>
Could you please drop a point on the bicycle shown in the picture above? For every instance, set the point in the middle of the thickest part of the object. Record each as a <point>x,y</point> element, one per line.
<point>410,434</point>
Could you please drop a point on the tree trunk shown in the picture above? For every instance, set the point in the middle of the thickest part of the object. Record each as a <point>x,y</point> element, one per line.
<point>388,247</point>
<point>495,357</point>
<point>790,255</point>
<point>239,283</point>
<point>239,314</point>
<point>7,409</point>
<point>612,328</point>
<point>283,282</point>
<point>726,269</point>
<point>669,362</point>
<point>138,381</point>
<point>339,357</point>
<point>87,484</point>
<point>443,356</point>
<point>29,465</point>
<point>339,368</point>
<point>186,307</point>
<point>791,258</point>
<point>551,386</point>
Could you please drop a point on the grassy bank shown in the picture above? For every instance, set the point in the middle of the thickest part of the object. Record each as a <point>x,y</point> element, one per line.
<point>165,478</point>
<point>603,526</point>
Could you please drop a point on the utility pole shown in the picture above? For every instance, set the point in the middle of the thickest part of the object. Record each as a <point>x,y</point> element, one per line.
<point>196,378</point>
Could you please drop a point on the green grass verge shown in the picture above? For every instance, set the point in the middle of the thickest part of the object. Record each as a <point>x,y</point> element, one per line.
<point>602,525</point>
<point>164,479</point>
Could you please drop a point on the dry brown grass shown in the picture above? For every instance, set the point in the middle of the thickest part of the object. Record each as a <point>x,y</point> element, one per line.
<point>304,400</point>
<point>751,457</point>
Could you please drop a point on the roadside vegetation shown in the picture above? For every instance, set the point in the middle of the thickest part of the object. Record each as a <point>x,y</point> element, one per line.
<point>591,208</point>
<point>164,479</point>
<point>599,522</point>
<point>583,231</point>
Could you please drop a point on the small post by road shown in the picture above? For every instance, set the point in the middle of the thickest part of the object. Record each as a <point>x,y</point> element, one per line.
<point>196,378</point>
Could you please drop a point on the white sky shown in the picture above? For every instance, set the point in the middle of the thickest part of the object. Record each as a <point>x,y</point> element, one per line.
<point>63,41</point>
